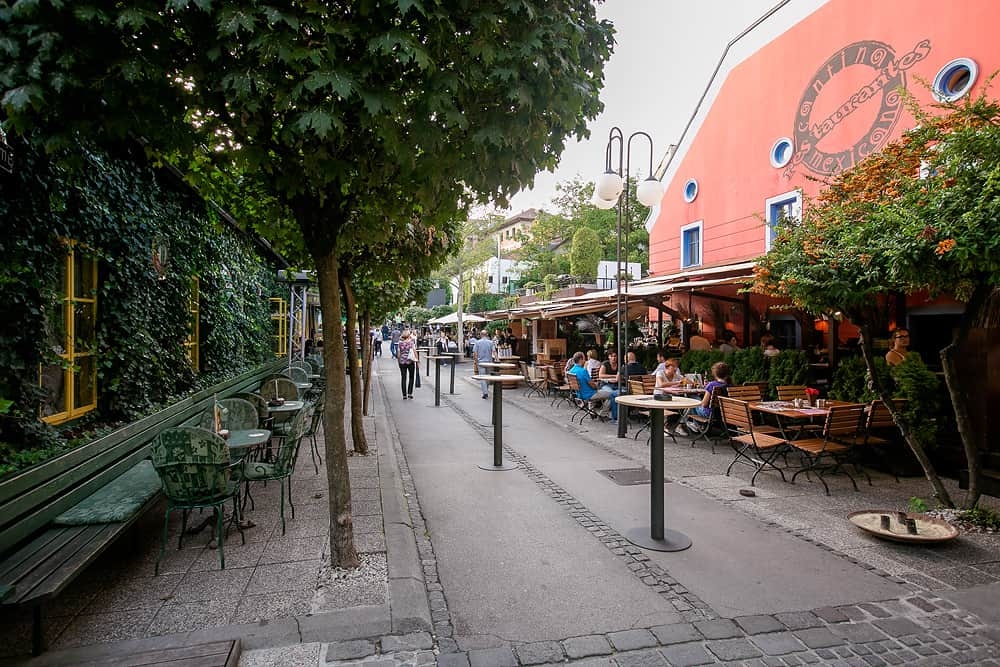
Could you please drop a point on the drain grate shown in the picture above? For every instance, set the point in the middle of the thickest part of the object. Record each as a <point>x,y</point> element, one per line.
<point>627,476</point>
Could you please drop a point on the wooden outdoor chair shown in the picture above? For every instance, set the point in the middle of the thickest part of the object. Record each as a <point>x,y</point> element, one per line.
<point>789,392</point>
<point>744,392</point>
<point>533,386</point>
<point>558,387</point>
<point>833,448</point>
<point>754,445</point>
<point>711,428</point>
<point>879,423</point>
<point>584,407</point>
<point>641,387</point>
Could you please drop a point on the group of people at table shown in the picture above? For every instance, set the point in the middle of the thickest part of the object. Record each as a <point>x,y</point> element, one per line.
<point>599,381</point>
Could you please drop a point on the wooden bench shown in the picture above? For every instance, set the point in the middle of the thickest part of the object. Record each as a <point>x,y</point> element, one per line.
<point>46,535</point>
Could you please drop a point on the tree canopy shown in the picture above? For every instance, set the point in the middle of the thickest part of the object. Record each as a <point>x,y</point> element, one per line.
<point>921,215</point>
<point>369,123</point>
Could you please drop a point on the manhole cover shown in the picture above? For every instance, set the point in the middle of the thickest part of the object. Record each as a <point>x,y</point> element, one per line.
<point>627,476</point>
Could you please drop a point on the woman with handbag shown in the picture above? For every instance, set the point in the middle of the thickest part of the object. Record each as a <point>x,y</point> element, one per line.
<point>406,355</point>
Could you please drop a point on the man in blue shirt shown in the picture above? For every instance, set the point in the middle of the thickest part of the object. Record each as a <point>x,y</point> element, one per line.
<point>482,352</point>
<point>606,394</point>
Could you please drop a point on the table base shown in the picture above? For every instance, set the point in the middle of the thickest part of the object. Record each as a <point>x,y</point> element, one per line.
<point>672,540</point>
<point>499,468</point>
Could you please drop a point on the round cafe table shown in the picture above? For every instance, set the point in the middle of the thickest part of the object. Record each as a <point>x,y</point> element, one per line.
<point>656,537</point>
<point>497,382</point>
<point>287,406</point>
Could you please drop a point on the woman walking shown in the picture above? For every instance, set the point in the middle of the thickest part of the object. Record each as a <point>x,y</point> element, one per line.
<point>406,355</point>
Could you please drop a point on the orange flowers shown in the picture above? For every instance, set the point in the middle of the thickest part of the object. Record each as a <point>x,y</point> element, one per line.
<point>944,246</point>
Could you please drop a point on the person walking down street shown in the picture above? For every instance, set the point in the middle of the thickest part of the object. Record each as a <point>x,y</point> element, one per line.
<point>482,352</point>
<point>407,358</point>
<point>394,343</point>
<point>376,342</point>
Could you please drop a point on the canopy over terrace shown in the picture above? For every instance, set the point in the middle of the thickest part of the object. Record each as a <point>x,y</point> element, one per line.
<point>720,283</point>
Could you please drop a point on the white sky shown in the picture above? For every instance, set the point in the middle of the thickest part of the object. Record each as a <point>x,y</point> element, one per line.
<point>665,52</point>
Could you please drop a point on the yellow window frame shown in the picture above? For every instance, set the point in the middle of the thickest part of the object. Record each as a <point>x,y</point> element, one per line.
<point>73,355</point>
<point>279,316</point>
<point>191,344</point>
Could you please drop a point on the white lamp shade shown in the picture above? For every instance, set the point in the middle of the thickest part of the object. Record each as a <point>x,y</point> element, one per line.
<point>603,203</point>
<point>649,192</point>
<point>608,187</point>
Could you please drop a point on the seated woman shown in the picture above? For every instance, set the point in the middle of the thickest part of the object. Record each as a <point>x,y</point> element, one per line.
<point>593,363</point>
<point>667,375</point>
<point>719,385</point>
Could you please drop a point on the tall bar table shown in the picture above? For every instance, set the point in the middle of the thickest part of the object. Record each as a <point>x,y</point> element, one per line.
<point>497,382</point>
<point>496,367</point>
<point>438,358</point>
<point>656,537</point>
<point>455,356</point>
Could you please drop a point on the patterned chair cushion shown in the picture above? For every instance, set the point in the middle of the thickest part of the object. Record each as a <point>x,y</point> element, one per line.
<point>116,501</point>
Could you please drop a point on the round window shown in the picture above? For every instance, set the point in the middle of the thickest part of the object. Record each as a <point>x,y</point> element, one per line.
<point>955,79</point>
<point>690,190</point>
<point>781,152</point>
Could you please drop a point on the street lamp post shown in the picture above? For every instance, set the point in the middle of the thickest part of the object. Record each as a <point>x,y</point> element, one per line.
<point>611,189</point>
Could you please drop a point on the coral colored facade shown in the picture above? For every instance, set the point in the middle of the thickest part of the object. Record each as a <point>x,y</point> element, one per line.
<point>825,76</point>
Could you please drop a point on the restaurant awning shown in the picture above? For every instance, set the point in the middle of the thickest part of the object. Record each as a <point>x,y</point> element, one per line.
<point>639,294</point>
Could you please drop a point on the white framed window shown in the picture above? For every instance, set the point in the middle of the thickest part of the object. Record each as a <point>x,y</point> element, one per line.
<point>691,244</point>
<point>787,206</point>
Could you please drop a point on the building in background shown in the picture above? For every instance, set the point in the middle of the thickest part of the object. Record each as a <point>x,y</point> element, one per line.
<point>809,90</point>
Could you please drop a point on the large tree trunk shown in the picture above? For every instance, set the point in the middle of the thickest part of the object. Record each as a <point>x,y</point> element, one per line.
<point>930,473</point>
<point>342,551</point>
<point>977,313</point>
<point>357,423</point>
<point>366,365</point>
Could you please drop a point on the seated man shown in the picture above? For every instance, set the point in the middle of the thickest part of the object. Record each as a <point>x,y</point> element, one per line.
<point>608,375</point>
<point>632,367</point>
<point>588,388</point>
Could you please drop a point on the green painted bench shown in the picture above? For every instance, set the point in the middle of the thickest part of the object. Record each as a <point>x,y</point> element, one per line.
<point>57,517</point>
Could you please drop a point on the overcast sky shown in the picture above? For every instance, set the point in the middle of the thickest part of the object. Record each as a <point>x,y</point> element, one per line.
<point>664,54</point>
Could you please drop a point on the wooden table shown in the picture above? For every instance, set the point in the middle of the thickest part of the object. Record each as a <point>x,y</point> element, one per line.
<point>783,410</point>
<point>497,381</point>
<point>656,537</point>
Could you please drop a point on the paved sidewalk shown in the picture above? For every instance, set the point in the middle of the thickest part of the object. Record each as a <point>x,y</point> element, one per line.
<point>464,566</point>
<point>529,567</point>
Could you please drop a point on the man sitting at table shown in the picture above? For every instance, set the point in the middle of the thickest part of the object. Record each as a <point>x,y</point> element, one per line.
<point>589,392</point>
<point>632,368</point>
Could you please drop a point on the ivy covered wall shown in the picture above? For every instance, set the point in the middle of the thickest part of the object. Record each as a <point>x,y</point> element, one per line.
<point>119,207</point>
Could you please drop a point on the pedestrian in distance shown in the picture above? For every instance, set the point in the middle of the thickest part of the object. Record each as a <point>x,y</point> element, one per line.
<point>407,359</point>
<point>483,351</point>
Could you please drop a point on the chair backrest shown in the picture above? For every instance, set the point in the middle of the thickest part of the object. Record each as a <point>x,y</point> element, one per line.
<point>284,459</point>
<point>636,387</point>
<point>193,463</point>
<point>304,365</point>
<point>259,403</point>
<point>789,392</point>
<point>843,422</point>
<point>282,387</point>
<point>746,392</point>
<point>736,414</point>
<point>317,418</point>
<point>648,383</point>
<point>239,414</point>
<point>297,374</point>
<point>879,416</point>
<point>574,384</point>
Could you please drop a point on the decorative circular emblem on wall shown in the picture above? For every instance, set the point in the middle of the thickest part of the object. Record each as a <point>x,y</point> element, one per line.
<point>834,132</point>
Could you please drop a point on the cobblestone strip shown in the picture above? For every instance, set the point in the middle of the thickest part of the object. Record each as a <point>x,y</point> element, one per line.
<point>687,604</point>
